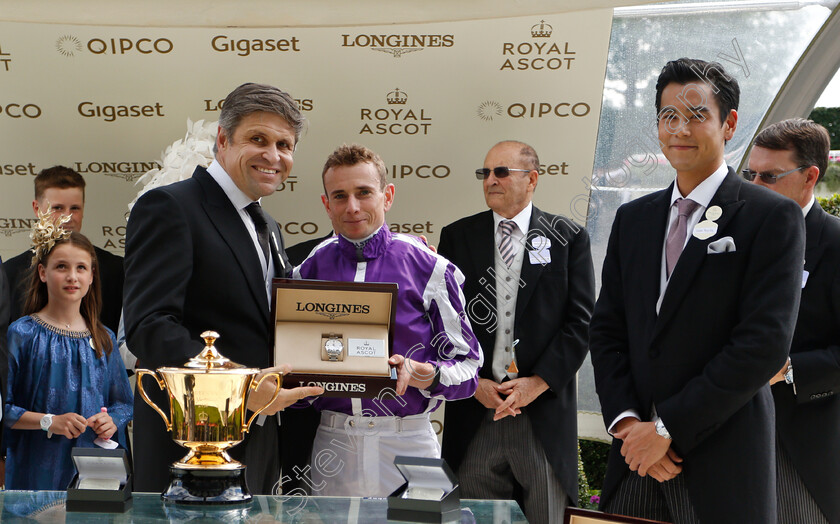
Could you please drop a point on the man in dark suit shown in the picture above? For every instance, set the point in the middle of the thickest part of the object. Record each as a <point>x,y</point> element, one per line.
<point>200,254</point>
<point>63,190</point>
<point>530,290</point>
<point>698,301</point>
<point>790,157</point>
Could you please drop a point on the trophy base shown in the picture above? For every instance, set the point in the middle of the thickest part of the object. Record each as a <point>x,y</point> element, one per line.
<point>207,486</point>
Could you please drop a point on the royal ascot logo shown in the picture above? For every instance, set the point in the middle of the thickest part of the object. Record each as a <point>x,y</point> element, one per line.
<point>395,119</point>
<point>128,171</point>
<point>5,58</point>
<point>539,54</point>
<point>12,226</point>
<point>246,46</point>
<point>70,45</point>
<point>397,45</point>
<point>110,113</point>
<point>289,184</point>
<point>214,106</point>
<point>114,236</point>
<point>491,110</point>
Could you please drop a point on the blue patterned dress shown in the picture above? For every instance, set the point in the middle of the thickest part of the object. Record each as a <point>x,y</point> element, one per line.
<point>56,371</point>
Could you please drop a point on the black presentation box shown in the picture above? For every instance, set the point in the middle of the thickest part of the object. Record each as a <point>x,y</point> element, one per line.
<point>102,483</point>
<point>430,493</point>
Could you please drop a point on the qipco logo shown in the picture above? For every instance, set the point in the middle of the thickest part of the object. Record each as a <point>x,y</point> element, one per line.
<point>15,110</point>
<point>121,46</point>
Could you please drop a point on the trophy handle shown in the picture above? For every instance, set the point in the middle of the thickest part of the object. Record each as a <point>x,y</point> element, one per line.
<point>278,377</point>
<point>161,385</point>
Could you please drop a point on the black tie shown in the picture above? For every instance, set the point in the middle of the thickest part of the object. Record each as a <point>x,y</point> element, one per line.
<point>261,226</point>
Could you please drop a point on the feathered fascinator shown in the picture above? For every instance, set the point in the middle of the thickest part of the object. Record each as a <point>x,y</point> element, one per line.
<point>179,159</point>
<point>46,232</point>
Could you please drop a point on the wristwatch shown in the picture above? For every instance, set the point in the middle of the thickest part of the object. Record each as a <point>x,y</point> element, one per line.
<point>334,347</point>
<point>46,423</point>
<point>661,430</point>
<point>789,376</point>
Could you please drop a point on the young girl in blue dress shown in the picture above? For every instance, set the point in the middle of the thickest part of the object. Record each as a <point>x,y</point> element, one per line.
<point>62,366</point>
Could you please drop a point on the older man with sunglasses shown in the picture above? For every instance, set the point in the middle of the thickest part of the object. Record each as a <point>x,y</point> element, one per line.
<point>530,289</point>
<point>790,157</point>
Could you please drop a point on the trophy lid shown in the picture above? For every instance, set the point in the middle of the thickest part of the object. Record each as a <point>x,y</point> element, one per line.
<point>210,358</point>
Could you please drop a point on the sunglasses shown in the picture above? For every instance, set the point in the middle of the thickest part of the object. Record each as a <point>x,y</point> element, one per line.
<point>768,178</point>
<point>500,172</point>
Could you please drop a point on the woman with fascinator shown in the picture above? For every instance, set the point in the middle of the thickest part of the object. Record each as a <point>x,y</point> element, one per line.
<point>67,386</point>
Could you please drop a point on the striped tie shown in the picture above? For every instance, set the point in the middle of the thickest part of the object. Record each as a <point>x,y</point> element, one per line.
<point>506,244</point>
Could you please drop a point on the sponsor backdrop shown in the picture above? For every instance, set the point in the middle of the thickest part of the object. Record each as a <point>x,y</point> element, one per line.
<point>429,98</point>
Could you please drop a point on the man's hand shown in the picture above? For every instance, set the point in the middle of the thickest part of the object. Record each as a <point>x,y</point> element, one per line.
<point>285,398</point>
<point>780,376</point>
<point>668,466</point>
<point>642,447</point>
<point>487,394</point>
<point>520,392</point>
<point>412,373</point>
<point>70,425</point>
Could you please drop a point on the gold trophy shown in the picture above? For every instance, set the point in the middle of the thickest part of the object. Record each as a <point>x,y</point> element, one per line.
<point>207,412</point>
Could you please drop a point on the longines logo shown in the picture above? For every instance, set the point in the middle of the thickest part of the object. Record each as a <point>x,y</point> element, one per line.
<point>214,106</point>
<point>333,310</point>
<point>396,119</point>
<point>337,386</point>
<point>129,171</point>
<point>245,46</point>
<point>70,45</point>
<point>110,113</point>
<point>18,110</point>
<point>397,45</point>
<point>540,54</point>
<point>11,226</point>
<point>490,110</point>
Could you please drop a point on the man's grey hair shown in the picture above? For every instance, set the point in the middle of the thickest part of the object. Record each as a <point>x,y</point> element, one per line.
<point>252,98</point>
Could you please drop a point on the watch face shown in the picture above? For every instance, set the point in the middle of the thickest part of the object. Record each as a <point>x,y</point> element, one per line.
<point>333,346</point>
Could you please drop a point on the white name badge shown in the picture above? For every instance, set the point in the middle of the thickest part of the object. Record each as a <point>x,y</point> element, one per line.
<point>804,278</point>
<point>366,347</point>
<point>705,229</point>
<point>540,257</point>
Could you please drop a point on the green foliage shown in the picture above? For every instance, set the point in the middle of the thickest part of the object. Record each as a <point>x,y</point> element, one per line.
<point>829,117</point>
<point>831,204</point>
<point>592,466</point>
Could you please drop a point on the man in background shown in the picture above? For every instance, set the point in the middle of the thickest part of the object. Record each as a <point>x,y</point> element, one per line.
<point>790,157</point>
<point>530,288</point>
<point>698,301</point>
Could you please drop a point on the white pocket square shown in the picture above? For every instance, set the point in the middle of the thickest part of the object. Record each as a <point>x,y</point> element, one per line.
<point>721,245</point>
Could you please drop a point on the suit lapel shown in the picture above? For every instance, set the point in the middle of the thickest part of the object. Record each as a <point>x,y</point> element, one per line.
<point>482,243</point>
<point>814,222</point>
<point>228,223</point>
<point>655,220</point>
<point>694,254</point>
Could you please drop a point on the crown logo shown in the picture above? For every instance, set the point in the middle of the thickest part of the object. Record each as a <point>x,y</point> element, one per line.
<point>541,30</point>
<point>397,97</point>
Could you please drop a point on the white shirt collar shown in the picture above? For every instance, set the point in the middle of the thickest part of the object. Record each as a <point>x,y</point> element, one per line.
<point>808,206</point>
<point>239,199</point>
<point>703,193</point>
<point>522,219</point>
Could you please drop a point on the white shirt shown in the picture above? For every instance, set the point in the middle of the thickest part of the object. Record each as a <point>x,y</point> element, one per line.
<point>240,201</point>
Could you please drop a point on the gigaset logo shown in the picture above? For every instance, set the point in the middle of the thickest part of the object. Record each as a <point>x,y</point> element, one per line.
<point>397,45</point>
<point>537,55</point>
<point>397,119</point>
<point>246,46</point>
<point>69,45</point>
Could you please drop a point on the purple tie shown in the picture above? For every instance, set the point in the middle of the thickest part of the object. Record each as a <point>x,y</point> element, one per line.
<point>506,244</point>
<point>676,236</point>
